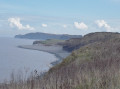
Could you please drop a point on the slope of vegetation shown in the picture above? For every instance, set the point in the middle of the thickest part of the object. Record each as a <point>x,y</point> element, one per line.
<point>93,66</point>
<point>49,42</point>
<point>76,43</point>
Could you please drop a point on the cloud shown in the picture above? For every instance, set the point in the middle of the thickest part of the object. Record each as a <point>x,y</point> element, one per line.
<point>44,25</point>
<point>15,22</point>
<point>103,24</point>
<point>80,25</point>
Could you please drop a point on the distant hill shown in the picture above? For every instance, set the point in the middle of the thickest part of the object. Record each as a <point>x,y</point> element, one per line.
<point>44,36</point>
<point>76,43</point>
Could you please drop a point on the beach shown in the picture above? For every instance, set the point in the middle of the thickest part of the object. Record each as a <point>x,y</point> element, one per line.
<point>57,50</point>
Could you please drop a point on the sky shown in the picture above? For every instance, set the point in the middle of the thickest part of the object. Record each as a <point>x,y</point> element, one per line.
<point>75,17</point>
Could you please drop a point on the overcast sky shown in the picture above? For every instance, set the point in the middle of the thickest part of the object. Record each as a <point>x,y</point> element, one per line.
<point>59,16</point>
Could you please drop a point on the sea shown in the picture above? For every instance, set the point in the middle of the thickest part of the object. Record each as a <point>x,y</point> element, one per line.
<point>15,60</point>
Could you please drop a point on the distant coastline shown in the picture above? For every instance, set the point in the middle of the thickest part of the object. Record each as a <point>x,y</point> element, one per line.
<point>45,36</point>
<point>54,49</point>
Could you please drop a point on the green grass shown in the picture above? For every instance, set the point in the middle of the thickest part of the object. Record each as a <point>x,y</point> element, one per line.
<point>52,41</point>
<point>81,55</point>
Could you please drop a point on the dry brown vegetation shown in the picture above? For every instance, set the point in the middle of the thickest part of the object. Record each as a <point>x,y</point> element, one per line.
<point>93,66</point>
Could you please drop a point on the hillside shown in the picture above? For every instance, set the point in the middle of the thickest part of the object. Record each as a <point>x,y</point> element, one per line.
<point>75,43</point>
<point>95,65</point>
<point>49,42</point>
<point>44,36</point>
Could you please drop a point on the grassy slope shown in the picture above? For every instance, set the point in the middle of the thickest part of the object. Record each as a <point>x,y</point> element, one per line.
<point>76,43</point>
<point>49,42</point>
<point>93,66</point>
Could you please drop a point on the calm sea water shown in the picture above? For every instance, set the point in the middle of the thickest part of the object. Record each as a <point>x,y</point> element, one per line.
<point>14,59</point>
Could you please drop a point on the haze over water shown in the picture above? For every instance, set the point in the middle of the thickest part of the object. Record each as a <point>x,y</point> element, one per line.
<point>17,59</point>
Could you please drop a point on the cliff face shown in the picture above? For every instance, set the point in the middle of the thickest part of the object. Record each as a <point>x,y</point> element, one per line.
<point>44,36</point>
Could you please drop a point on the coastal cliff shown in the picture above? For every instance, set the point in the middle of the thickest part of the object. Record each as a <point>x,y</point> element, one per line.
<point>94,65</point>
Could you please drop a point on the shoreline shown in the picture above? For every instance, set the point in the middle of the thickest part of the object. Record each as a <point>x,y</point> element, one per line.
<point>56,50</point>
